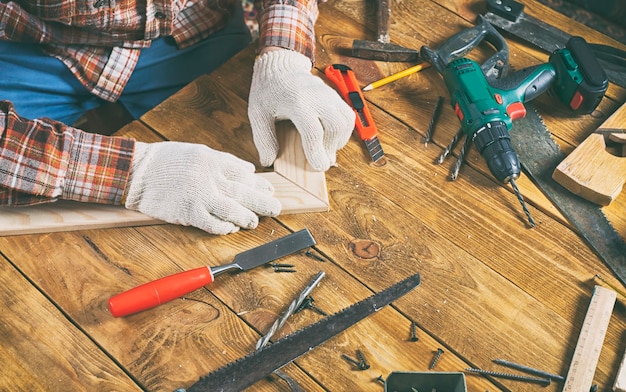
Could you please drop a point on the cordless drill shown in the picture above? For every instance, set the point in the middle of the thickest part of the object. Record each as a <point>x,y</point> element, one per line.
<point>487,108</point>
<point>487,101</point>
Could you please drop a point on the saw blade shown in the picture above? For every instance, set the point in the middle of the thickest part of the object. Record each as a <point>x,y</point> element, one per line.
<point>539,156</point>
<point>509,15</point>
<point>246,371</point>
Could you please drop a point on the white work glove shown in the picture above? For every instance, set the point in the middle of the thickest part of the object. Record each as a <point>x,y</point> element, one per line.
<point>283,88</point>
<point>193,185</point>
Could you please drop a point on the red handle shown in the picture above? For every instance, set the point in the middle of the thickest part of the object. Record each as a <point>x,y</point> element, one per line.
<point>348,86</point>
<point>159,291</point>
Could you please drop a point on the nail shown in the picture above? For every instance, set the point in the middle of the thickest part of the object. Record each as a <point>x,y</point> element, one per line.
<point>284,270</point>
<point>381,379</point>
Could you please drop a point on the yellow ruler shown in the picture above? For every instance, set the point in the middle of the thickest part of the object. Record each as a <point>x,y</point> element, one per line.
<point>587,353</point>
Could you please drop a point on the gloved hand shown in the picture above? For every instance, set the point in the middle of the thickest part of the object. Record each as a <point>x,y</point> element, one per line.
<point>191,184</point>
<point>284,88</point>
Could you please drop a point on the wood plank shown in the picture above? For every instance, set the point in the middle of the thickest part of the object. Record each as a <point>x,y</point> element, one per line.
<point>42,350</point>
<point>591,171</point>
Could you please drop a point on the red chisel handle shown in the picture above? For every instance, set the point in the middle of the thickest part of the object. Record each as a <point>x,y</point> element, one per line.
<point>348,86</point>
<point>159,291</point>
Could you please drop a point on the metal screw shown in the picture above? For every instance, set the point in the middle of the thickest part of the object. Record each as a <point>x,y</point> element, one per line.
<point>381,379</point>
<point>363,365</point>
<point>351,360</point>
<point>436,358</point>
<point>360,364</point>
<point>413,337</point>
<point>313,255</point>
<point>308,304</point>
<point>284,269</point>
<point>541,381</point>
<point>529,370</point>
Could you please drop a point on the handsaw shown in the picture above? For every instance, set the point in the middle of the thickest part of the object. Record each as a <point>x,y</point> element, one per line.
<point>509,16</point>
<point>163,290</point>
<point>244,372</point>
<point>539,156</point>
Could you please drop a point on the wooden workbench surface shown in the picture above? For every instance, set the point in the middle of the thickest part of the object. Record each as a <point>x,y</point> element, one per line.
<point>491,287</point>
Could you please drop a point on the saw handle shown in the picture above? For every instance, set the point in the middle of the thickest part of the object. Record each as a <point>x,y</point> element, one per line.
<point>160,291</point>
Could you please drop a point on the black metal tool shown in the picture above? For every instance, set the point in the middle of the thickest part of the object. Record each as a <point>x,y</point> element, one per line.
<point>509,16</point>
<point>246,371</point>
<point>540,155</point>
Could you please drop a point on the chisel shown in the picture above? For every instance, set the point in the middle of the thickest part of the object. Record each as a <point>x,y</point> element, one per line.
<point>163,290</point>
<point>346,82</point>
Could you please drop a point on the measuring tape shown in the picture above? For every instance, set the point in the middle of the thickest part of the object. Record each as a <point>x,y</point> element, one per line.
<point>587,353</point>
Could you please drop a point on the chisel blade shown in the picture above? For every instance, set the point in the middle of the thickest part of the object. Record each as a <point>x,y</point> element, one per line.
<point>246,371</point>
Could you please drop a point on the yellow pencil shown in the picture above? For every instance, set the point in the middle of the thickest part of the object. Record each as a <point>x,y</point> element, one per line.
<point>396,76</point>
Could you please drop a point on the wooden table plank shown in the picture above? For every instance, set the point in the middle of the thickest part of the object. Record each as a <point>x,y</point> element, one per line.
<point>43,351</point>
<point>491,288</point>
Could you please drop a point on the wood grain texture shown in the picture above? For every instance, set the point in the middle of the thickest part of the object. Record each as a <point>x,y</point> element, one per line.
<point>42,351</point>
<point>591,171</point>
<point>490,287</point>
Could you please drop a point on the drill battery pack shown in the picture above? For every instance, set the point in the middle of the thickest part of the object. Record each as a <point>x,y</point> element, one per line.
<point>580,80</point>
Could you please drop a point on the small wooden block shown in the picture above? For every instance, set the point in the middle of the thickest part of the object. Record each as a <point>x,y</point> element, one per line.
<point>592,172</point>
<point>620,380</point>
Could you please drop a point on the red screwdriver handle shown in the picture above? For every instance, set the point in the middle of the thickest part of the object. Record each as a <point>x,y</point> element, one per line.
<point>159,291</point>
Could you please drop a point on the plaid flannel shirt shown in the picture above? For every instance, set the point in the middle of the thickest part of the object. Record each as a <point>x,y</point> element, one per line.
<point>100,41</point>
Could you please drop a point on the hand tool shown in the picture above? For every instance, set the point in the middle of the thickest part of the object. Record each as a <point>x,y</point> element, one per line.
<point>509,16</point>
<point>246,371</point>
<point>487,101</point>
<point>396,76</point>
<point>587,352</point>
<point>381,49</point>
<point>539,155</point>
<point>163,290</point>
<point>343,77</point>
<point>592,172</point>
<point>290,310</point>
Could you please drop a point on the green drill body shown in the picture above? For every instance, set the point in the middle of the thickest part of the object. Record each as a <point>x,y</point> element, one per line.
<point>487,112</point>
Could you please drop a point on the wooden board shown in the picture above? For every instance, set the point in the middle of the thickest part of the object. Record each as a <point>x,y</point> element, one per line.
<point>591,171</point>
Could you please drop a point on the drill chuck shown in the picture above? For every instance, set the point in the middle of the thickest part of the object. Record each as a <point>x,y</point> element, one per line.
<point>494,144</point>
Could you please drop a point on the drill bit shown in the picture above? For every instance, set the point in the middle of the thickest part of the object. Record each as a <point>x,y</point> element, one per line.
<point>459,162</point>
<point>531,221</point>
<point>449,147</point>
<point>433,120</point>
<point>290,310</point>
